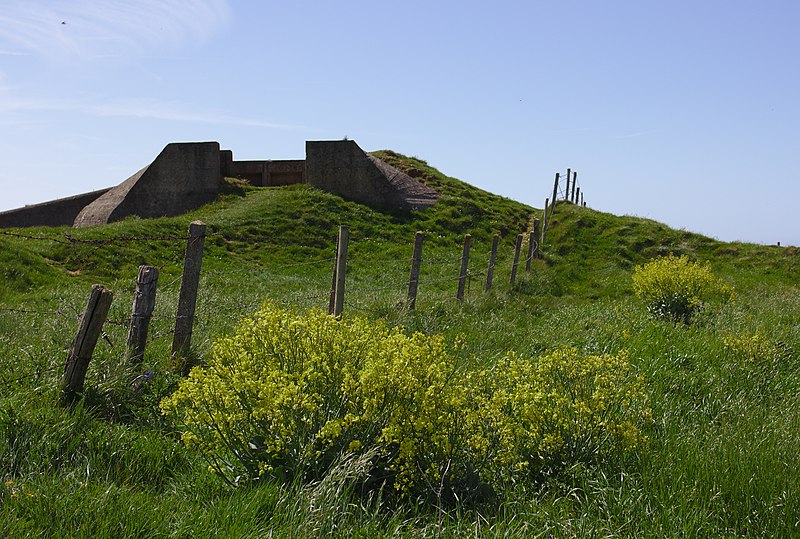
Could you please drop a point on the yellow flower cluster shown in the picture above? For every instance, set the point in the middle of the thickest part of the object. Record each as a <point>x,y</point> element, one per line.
<point>674,288</point>
<point>290,392</point>
<point>752,347</point>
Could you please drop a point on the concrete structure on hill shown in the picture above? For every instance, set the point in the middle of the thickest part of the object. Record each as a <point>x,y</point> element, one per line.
<point>186,175</point>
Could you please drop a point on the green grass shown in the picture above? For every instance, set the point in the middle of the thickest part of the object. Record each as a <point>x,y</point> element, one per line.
<point>722,455</point>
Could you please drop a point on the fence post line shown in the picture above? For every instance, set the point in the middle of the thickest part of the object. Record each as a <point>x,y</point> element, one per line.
<point>462,276</point>
<point>555,194</point>
<point>566,190</point>
<point>190,282</point>
<point>578,195</point>
<point>536,235</point>
<point>574,185</point>
<point>144,301</point>
<point>416,261</point>
<point>517,249</point>
<point>341,269</point>
<point>492,259</point>
<point>89,330</point>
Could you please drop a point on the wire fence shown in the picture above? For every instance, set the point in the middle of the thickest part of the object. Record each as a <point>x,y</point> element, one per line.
<point>372,280</point>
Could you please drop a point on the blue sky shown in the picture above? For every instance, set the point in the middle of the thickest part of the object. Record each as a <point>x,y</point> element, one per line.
<point>685,112</point>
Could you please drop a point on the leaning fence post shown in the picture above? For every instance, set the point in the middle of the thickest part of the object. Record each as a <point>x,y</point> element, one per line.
<point>517,249</point>
<point>341,269</point>
<point>89,330</point>
<point>416,261</point>
<point>144,300</point>
<point>190,282</point>
<point>555,194</point>
<point>462,275</point>
<point>492,258</point>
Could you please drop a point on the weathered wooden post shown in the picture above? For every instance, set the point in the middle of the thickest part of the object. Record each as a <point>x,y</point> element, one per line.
<point>341,269</point>
<point>544,221</point>
<point>144,301</point>
<point>89,331</point>
<point>566,190</point>
<point>332,298</point>
<point>190,282</point>
<point>416,261</point>
<point>462,275</point>
<point>492,259</point>
<point>536,235</point>
<point>574,185</point>
<point>517,249</point>
<point>578,195</point>
<point>555,194</point>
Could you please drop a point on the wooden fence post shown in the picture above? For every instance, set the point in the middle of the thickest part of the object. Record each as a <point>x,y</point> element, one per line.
<point>341,269</point>
<point>517,250</point>
<point>566,190</point>
<point>492,259</point>
<point>574,185</point>
<point>332,298</point>
<point>89,330</point>
<point>462,275</point>
<point>144,301</point>
<point>416,261</point>
<point>536,235</point>
<point>555,195</point>
<point>544,222</point>
<point>190,282</point>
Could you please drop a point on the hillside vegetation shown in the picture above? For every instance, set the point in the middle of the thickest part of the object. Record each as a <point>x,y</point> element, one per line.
<point>721,457</point>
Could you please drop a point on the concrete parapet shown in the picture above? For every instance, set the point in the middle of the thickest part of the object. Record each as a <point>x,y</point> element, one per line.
<point>342,168</point>
<point>183,177</point>
<point>61,212</point>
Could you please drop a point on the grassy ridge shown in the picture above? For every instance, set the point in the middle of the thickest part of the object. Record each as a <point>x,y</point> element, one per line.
<point>721,460</point>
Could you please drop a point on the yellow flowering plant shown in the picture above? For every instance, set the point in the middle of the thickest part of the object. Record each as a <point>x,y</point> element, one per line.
<point>674,288</point>
<point>288,393</point>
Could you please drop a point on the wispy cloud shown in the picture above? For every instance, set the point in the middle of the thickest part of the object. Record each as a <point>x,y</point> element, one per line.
<point>146,109</point>
<point>83,28</point>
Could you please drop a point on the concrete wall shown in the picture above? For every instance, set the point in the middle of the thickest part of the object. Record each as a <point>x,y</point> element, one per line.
<point>183,177</point>
<point>266,173</point>
<point>342,168</point>
<point>61,212</point>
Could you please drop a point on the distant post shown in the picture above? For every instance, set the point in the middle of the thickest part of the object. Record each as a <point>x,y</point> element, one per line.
<point>462,275</point>
<point>144,301</point>
<point>517,249</point>
<point>574,184</point>
<point>341,269</point>
<point>555,194</point>
<point>566,190</point>
<point>492,259</point>
<point>416,261</point>
<point>578,195</point>
<point>89,331</point>
<point>190,282</point>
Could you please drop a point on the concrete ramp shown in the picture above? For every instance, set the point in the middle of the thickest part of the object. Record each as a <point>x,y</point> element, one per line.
<point>184,176</point>
<point>342,168</point>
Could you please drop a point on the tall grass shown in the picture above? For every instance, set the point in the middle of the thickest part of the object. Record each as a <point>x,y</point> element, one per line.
<point>721,459</point>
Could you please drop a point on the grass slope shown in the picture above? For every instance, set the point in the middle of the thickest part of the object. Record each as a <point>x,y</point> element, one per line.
<point>726,424</point>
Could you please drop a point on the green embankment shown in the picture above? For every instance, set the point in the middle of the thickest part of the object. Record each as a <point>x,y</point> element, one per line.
<point>726,422</point>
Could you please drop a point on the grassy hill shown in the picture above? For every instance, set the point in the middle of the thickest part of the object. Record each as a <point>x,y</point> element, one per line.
<point>721,459</point>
